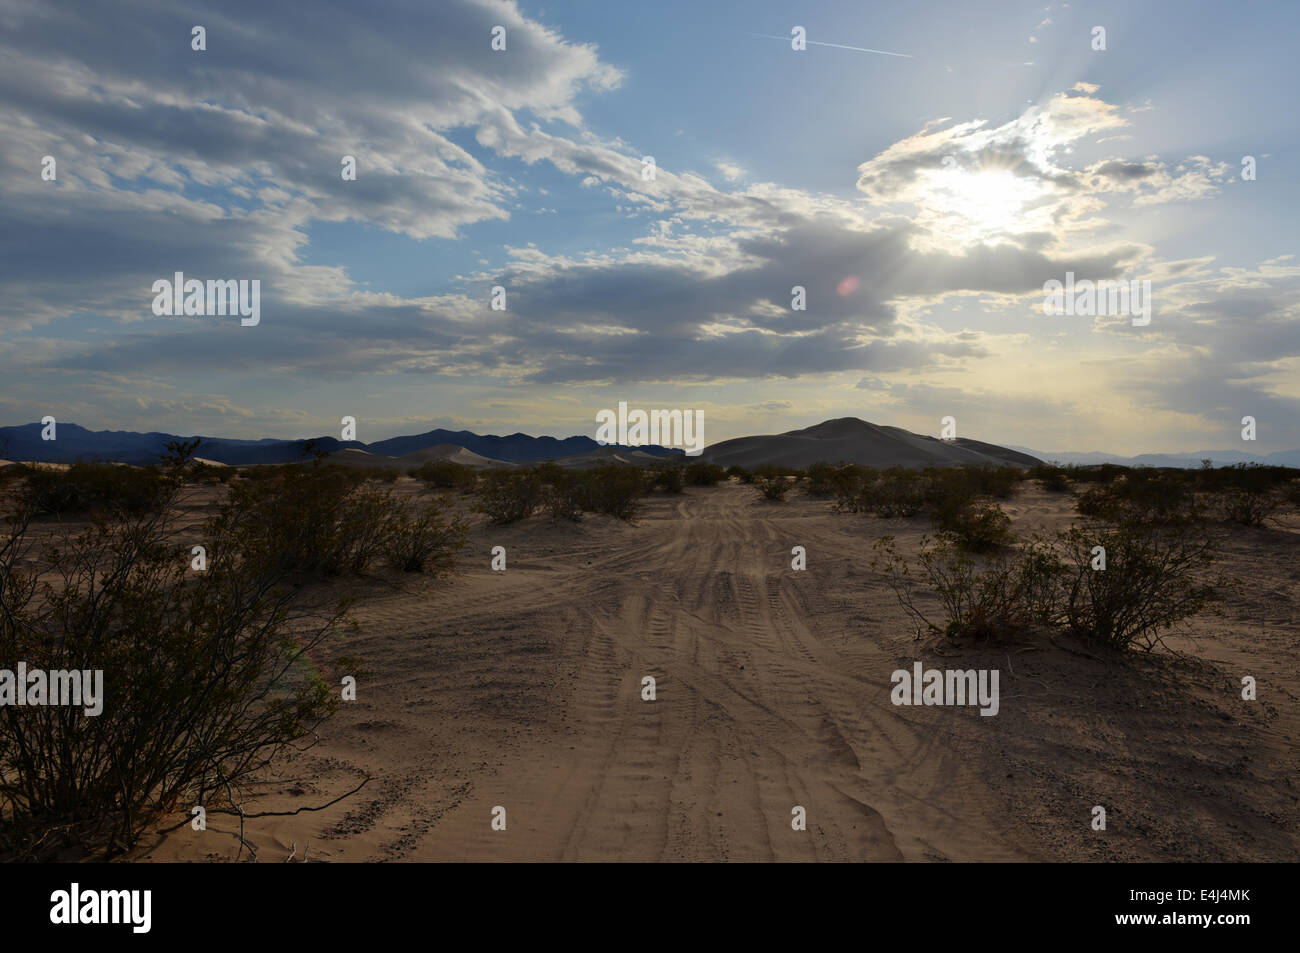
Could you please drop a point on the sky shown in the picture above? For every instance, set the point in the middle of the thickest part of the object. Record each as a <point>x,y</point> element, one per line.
<point>922,195</point>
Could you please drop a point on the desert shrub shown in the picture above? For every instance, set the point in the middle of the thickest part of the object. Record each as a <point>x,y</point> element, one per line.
<point>740,473</point>
<point>998,482</point>
<point>1247,493</point>
<point>94,488</point>
<point>822,479</point>
<point>1153,578</point>
<point>667,476</point>
<point>1157,496</point>
<point>974,525</point>
<point>1251,507</point>
<point>1096,473</point>
<point>298,518</point>
<point>1250,477</point>
<point>897,492</point>
<point>563,491</point>
<point>261,471</point>
<point>422,539</point>
<point>1151,582</point>
<point>365,521</point>
<point>507,496</point>
<point>203,474</point>
<point>206,677</point>
<point>446,475</point>
<point>1006,595</point>
<point>851,487</point>
<point>1051,477</point>
<point>699,473</point>
<point>840,480</point>
<point>613,489</point>
<point>772,486</point>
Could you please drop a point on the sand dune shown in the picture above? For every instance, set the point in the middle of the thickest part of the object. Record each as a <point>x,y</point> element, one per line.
<point>449,451</point>
<point>610,455</point>
<point>522,689</point>
<point>850,440</point>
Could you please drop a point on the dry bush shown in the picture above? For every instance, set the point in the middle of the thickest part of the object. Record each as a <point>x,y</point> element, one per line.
<point>773,482</point>
<point>1051,477</point>
<point>206,675</point>
<point>1003,596</point>
<point>975,525</point>
<point>668,476</point>
<point>1095,473</point>
<point>699,473</point>
<point>1247,493</point>
<point>773,486</point>
<point>613,489</point>
<point>562,493</point>
<point>92,488</point>
<point>508,496</point>
<point>1156,496</point>
<point>1153,579</point>
<point>307,517</point>
<point>897,492</point>
<point>446,475</point>
<point>740,473</point>
<point>422,539</point>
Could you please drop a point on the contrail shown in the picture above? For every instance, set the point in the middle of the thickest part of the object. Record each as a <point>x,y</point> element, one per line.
<point>838,46</point>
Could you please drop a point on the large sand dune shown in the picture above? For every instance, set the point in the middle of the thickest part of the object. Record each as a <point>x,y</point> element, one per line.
<point>850,440</point>
<point>522,689</point>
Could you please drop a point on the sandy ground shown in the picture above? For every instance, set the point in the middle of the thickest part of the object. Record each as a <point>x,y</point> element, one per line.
<point>522,689</point>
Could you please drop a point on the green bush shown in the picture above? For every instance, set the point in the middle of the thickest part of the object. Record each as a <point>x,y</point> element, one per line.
<point>741,474</point>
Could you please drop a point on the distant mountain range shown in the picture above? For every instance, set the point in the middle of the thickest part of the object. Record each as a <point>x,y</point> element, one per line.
<point>75,443</point>
<point>1221,458</point>
<point>845,439</point>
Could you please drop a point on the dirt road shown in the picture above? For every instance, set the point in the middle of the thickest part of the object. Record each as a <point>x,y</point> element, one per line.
<point>523,689</point>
